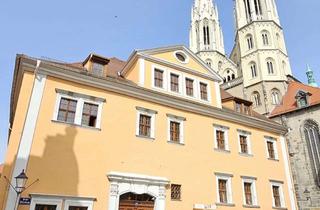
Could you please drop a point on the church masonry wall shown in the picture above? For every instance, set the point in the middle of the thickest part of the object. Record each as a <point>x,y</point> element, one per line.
<point>299,156</point>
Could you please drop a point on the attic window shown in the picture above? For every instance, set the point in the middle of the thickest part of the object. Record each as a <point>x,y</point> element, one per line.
<point>302,99</point>
<point>181,56</point>
<point>97,69</point>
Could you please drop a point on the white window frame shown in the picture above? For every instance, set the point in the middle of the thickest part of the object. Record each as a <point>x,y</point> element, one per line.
<point>80,203</point>
<point>275,148</point>
<point>173,118</point>
<point>79,109</point>
<point>208,91</point>
<point>248,136</point>
<point>180,82</point>
<point>252,181</point>
<point>165,78</point>
<point>228,178</point>
<point>46,201</point>
<point>195,87</point>
<point>226,136</point>
<point>150,113</point>
<point>282,200</point>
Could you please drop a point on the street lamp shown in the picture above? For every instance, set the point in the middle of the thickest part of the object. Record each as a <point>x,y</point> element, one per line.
<point>21,181</point>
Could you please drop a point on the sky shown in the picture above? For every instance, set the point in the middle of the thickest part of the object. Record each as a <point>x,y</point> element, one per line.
<point>70,30</point>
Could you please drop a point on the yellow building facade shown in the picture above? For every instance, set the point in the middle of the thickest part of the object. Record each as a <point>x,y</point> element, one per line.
<point>155,135</point>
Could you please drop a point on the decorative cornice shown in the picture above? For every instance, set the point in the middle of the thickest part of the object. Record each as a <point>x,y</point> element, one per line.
<point>127,88</point>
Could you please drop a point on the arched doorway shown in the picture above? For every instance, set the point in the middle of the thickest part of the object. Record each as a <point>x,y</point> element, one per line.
<point>132,201</point>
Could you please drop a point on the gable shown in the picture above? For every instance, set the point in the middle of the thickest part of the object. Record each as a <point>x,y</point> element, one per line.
<point>171,55</point>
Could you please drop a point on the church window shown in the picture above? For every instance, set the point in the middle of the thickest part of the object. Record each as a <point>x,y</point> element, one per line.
<point>270,66</point>
<point>253,68</point>
<point>312,136</point>
<point>265,38</point>
<point>247,10</point>
<point>284,66</point>
<point>229,75</point>
<point>206,33</point>
<point>257,6</point>
<point>250,42</point>
<point>209,62</point>
<point>278,40</point>
<point>220,65</point>
<point>256,99</point>
<point>275,96</point>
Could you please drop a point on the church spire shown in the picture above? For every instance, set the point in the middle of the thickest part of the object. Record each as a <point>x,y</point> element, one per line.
<point>311,79</point>
<point>205,31</point>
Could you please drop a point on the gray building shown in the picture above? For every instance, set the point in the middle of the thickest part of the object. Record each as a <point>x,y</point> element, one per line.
<point>300,113</point>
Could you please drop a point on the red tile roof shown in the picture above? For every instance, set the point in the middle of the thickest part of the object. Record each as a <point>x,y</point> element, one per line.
<point>289,102</point>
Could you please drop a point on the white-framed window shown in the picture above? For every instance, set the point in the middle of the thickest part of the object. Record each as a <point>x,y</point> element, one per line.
<point>78,109</point>
<point>270,67</point>
<point>244,142</point>
<point>40,202</point>
<point>271,148</point>
<point>224,188</point>
<point>277,194</point>
<point>204,91</point>
<point>190,87</point>
<point>78,205</point>
<point>175,129</point>
<point>145,124</point>
<point>249,191</point>
<point>175,82</point>
<point>221,137</point>
<point>159,77</point>
<point>181,56</point>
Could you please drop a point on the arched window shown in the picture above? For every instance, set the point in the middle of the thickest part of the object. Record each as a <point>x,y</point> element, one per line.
<point>265,38</point>
<point>247,7</point>
<point>253,68</point>
<point>229,75</point>
<point>220,66</point>
<point>209,62</point>
<point>257,7</point>
<point>312,136</point>
<point>249,41</point>
<point>206,33</point>
<point>270,66</point>
<point>275,96</point>
<point>256,99</point>
<point>284,66</point>
<point>278,40</point>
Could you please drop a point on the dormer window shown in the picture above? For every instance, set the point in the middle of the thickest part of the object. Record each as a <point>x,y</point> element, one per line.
<point>302,99</point>
<point>95,64</point>
<point>97,69</point>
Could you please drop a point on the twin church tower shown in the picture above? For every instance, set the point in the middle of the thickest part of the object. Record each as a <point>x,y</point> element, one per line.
<point>258,66</point>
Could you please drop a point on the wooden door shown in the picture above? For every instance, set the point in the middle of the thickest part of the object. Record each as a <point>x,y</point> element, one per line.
<point>132,201</point>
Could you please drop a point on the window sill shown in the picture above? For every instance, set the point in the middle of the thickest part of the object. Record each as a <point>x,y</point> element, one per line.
<point>251,206</point>
<point>145,137</point>
<point>222,150</point>
<point>279,208</point>
<point>76,125</point>
<point>245,154</point>
<point>273,159</point>
<point>179,200</point>
<point>226,204</point>
<point>176,143</point>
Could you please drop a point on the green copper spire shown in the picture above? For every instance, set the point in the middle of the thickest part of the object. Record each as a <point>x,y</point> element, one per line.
<point>311,79</point>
